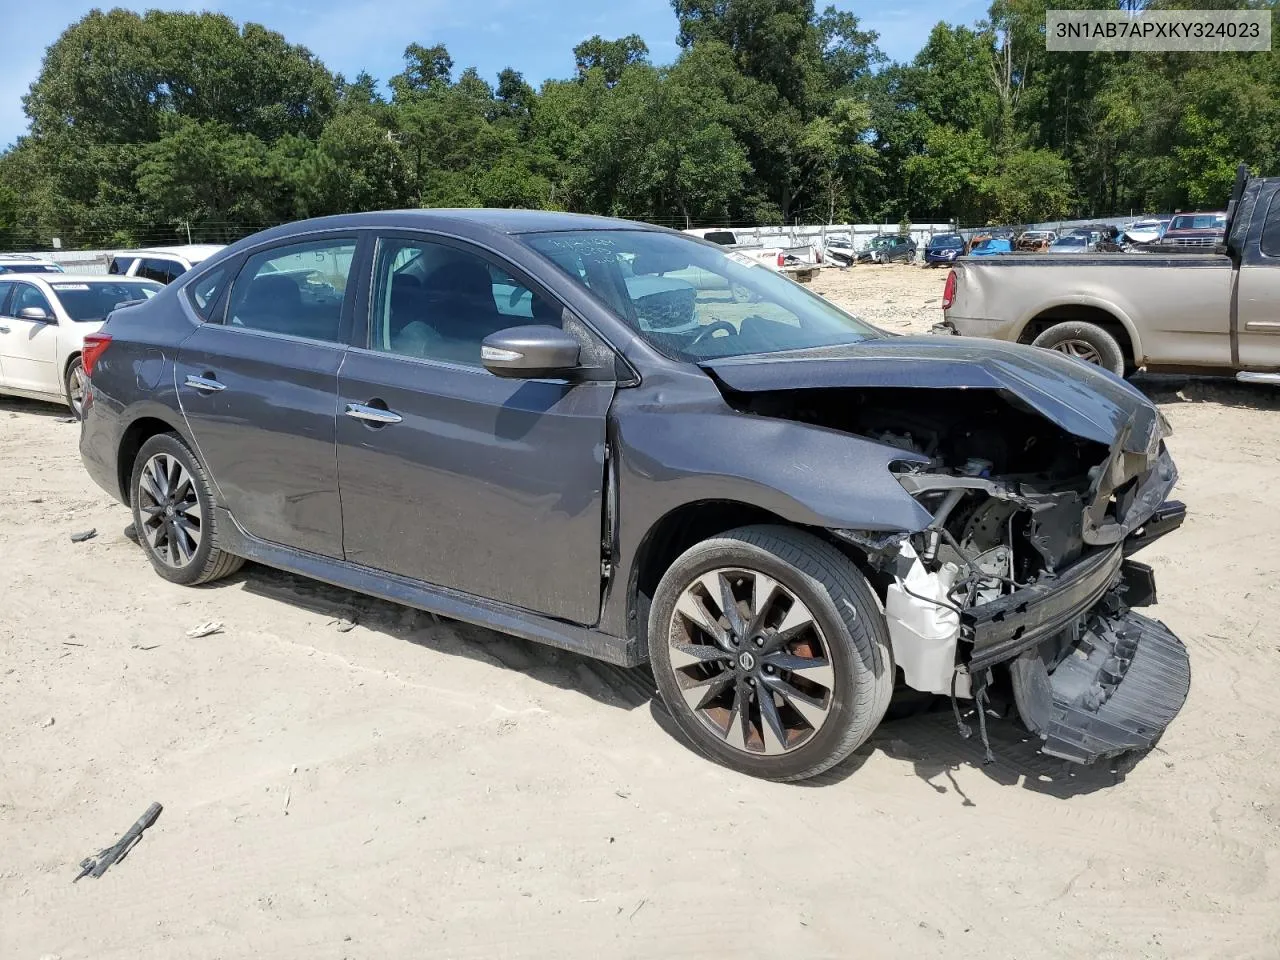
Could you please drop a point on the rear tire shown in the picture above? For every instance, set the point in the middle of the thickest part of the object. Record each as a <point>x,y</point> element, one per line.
<point>795,676</point>
<point>1084,341</point>
<point>173,513</point>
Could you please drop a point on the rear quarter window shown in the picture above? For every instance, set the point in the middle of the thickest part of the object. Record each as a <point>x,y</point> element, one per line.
<point>205,292</point>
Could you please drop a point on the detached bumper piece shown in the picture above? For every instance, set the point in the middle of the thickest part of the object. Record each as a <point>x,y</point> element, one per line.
<point>1121,684</point>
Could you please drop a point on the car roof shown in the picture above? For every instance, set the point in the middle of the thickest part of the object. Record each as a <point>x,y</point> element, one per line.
<point>23,258</point>
<point>468,223</point>
<point>475,224</point>
<point>188,251</point>
<point>85,278</point>
<point>497,220</point>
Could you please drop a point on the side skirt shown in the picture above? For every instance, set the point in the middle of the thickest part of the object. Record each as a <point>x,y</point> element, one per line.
<point>454,604</point>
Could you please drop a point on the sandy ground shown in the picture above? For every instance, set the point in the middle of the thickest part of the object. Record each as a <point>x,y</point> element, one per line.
<point>412,787</point>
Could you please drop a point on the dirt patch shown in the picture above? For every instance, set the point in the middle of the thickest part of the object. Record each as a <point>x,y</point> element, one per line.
<point>357,791</point>
<point>900,297</point>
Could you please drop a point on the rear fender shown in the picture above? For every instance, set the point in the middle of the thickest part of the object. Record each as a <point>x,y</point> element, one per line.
<point>1097,303</point>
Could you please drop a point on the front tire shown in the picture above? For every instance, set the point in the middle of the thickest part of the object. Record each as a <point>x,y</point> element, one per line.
<point>770,652</point>
<point>173,513</point>
<point>1084,341</point>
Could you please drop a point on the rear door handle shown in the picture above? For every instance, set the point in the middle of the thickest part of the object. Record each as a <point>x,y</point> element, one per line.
<point>204,383</point>
<point>4,329</point>
<point>379,415</point>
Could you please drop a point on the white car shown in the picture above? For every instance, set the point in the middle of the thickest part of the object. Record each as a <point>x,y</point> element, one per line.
<point>1145,231</point>
<point>26,263</point>
<point>43,322</point>
<point>161,264</point>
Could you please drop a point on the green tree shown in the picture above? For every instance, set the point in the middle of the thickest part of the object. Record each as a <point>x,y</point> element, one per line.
<point>610,56</point>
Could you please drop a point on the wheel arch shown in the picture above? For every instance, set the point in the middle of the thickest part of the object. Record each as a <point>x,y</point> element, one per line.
<point>71,358</point>
<point>683,526</point>
<point>1087,310</point>
<point>139,431</point>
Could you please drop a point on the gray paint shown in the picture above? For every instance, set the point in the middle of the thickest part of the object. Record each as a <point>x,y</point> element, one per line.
<point>487,501</point>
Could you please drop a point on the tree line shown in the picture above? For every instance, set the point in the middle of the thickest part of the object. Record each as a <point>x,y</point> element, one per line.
<point>151,127</point>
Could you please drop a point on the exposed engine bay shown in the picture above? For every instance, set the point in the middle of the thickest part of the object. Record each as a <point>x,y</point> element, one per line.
<point>1022,571</point>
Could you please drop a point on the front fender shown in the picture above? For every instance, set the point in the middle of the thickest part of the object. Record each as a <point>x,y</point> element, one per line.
<point>805,474</point>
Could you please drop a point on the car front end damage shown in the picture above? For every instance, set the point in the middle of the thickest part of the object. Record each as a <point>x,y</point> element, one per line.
<point>1020,587</point>
<point>1034,581</point>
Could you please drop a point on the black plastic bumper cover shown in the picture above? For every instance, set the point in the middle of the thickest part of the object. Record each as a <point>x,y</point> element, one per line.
<point>1121,694</point>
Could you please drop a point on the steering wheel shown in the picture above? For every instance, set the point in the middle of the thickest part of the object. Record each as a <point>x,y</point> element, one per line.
<point>711,328</point>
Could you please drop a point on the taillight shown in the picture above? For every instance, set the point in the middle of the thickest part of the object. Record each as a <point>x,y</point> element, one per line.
<point>949,291</point>
<point>95,344</point>
<point>782,260</point>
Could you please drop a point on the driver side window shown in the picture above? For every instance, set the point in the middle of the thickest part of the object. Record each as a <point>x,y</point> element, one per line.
<point>439,302</point>
<point>28,295</point>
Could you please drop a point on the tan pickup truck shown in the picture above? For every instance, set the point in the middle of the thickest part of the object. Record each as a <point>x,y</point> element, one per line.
<point>1176,312</point>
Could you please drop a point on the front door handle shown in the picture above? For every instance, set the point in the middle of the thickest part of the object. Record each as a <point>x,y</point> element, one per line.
<point>4,329</point>
<point>378,415</point>
<point>204,383</point>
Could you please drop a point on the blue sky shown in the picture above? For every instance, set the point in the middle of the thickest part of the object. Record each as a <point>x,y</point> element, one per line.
<point>534,37</point>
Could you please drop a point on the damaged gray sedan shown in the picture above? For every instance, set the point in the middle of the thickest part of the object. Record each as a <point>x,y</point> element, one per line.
<point>625,442</point>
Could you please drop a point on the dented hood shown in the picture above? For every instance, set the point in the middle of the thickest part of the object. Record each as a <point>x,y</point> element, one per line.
<point>1080,398</point>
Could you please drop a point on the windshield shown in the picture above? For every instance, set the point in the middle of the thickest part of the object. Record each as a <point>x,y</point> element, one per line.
<point>1201,221</point>
<point>692,301</point>
<point>30,268</point>
<point>947,241</point>
<point>88,301</point>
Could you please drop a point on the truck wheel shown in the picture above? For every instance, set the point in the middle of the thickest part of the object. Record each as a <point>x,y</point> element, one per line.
<point>770,651</point>
<point>1084,341</point>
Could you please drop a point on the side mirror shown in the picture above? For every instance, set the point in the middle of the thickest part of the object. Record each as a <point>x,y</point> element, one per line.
<point>530,353</point>
<point>39,314</point>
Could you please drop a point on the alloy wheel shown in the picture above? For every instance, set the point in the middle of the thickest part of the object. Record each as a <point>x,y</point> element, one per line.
<point>751,661</point>
<point>76,384</point>
<point>172,521</point>
<point>1081,350</point>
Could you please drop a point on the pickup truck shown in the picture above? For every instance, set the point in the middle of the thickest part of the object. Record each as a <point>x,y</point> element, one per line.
<point>1213,312</point>
<point>801,262</point>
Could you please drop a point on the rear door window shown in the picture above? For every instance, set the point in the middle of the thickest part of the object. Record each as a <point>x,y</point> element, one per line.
<point>154,268</point>
<point>120,265</point>
<point>1271,228</point>
<point>297,290</point>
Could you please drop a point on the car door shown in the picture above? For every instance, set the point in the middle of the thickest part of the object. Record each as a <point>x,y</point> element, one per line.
<point>452,475</point>
<point>28,346</point>
<point>257,385</point>
<point>1258,319</point>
